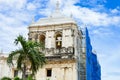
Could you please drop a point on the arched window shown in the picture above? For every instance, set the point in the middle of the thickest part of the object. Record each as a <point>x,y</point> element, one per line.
<point>58,41</point>
<point>42,39</point>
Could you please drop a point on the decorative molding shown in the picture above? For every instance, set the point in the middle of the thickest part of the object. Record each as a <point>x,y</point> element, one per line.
<point>61,51</point>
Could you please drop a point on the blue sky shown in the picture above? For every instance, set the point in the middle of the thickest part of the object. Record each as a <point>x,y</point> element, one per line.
<point>102,18</point>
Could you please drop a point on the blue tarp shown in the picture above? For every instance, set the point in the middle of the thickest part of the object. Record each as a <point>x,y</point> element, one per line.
<point>93,69</point>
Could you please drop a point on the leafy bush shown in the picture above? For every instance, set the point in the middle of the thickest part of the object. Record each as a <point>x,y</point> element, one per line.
<point>29,77</point>
<point>17,78</point>
<point>6,78</point>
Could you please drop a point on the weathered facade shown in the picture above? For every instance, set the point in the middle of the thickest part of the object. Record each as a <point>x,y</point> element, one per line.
<point>63,47</point>
<point>67,50</point>
<point>61,37</point>
<point>6,70</point>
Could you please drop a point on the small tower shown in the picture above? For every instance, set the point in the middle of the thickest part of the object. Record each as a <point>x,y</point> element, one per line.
<point>63,47</point>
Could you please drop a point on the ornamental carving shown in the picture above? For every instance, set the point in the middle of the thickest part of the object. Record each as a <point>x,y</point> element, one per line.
<point>60,51</point>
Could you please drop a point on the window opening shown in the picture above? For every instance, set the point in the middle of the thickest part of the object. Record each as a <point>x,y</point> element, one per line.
<point>58,41</point>
<point>49,72</point>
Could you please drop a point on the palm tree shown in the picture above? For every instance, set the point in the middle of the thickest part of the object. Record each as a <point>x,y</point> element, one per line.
<point>28,55</point>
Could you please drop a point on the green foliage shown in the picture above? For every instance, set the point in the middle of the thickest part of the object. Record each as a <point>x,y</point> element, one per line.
<point>29,78</point>
<point>6,78</point>
<point>29,52</point>
<point>17,78</point>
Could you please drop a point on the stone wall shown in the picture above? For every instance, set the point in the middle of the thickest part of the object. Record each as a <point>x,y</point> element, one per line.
<point>61,70</point>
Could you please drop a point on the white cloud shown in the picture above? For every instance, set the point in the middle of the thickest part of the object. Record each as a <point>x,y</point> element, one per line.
<point>90,17</point>
<point>15,17</point>
<point>31,6</point>
<point>15,4</point>
<point>13,21</point>
<point>115,11</point>
<point>102,32</point>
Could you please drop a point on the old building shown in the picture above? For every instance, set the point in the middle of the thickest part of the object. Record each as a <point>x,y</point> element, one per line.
<point>63,47</point>
<point>67,50</point>
<point>6,70</point>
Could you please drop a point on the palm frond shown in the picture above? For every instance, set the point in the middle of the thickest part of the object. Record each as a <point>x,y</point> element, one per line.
<point>13,55</point>
<point>20,39</point>
<point>28,53</point>
<point>20,60</point>
<point>37,60</point>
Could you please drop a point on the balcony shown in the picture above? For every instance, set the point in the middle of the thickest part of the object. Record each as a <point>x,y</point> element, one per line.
<point>58,53</point>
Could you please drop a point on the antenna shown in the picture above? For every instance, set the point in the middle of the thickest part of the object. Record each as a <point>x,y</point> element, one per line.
<point>71,15</point>
<point>1,51</point>
<point>33,20</point>
<point>57,6</point>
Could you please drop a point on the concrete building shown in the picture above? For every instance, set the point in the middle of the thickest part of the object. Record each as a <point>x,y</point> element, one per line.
<point>6,70</point>
<point>65,49</point>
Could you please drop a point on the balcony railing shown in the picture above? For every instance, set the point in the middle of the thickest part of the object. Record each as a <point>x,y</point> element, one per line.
<point>58,52</point>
